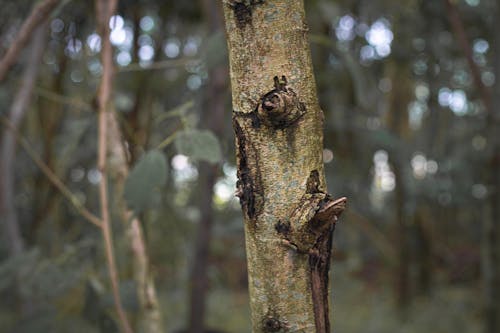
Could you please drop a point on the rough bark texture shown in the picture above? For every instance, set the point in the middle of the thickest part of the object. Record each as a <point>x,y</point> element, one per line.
<point>289,218</point>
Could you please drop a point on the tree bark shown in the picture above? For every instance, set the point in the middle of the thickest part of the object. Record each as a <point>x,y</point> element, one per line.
<point>289,217</point>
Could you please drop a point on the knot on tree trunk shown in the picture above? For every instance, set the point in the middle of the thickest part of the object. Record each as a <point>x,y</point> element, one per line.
<point>312,218</point>
<point>280,107</point>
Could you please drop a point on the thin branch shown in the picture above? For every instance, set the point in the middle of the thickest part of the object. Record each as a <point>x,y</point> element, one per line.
<point>56,181</point>
<point>178,111</point>
<point>157,65</point>
<point>61,99</point>
<point>168,140</point>
<point>39,14</point>
<point>104,11</point>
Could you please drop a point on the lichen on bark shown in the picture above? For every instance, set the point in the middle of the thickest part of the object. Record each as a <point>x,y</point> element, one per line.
<point>289,217</point>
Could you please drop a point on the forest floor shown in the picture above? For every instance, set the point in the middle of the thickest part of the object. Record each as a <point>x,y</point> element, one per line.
<point>358,307</point>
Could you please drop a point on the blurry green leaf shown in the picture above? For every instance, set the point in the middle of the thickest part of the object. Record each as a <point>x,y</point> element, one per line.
<point>148,174</point>
<point>199,145</point>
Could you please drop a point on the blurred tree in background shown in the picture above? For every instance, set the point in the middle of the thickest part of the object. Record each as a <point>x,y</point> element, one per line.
<point>410,98</point>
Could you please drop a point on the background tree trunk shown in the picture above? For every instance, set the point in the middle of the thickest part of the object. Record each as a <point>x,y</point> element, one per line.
<point>397,119</point>
<point>289,218</point>
<point>8,150</point>
<point>492,232</point>
<point>213,117</point>
<point>8,213</point>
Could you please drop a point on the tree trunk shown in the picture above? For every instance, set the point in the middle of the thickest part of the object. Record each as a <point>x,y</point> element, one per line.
<point>424,260</point>
<point>289,218</point>
<point>8,154</point>
<point>403,292</point>
<point>199,270</point>
<point>213,118</point>
<point>8,214</point>
<point>397,121</point>
<point>492,232</point>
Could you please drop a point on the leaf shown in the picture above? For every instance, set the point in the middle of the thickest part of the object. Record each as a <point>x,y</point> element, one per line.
<point>200,145</point>
<point>148,174</point>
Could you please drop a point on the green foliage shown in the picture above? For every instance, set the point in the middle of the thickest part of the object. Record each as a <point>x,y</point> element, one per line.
<point>199,145</point>
<point>146,176</point>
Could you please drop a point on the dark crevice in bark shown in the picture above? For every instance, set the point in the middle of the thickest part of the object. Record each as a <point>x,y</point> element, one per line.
<point>248,184</point>
<point>322,225</point>
<point>253,116</point>
<point>314,238</point>
<point>319,262</point>
<point>312,185</point>
<point>283,228</point>
<point>271,324</point>
<point>243,11</point>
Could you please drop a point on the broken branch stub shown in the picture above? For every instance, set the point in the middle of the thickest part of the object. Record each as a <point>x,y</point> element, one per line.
<point>312,218</point>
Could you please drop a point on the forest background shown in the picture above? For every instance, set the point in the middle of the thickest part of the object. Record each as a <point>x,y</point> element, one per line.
<point>408,90</point>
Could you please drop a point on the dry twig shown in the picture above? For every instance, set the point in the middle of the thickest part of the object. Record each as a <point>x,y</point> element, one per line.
<point>104,11</point>
<point>39,14</point>
<point>51,176</point>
